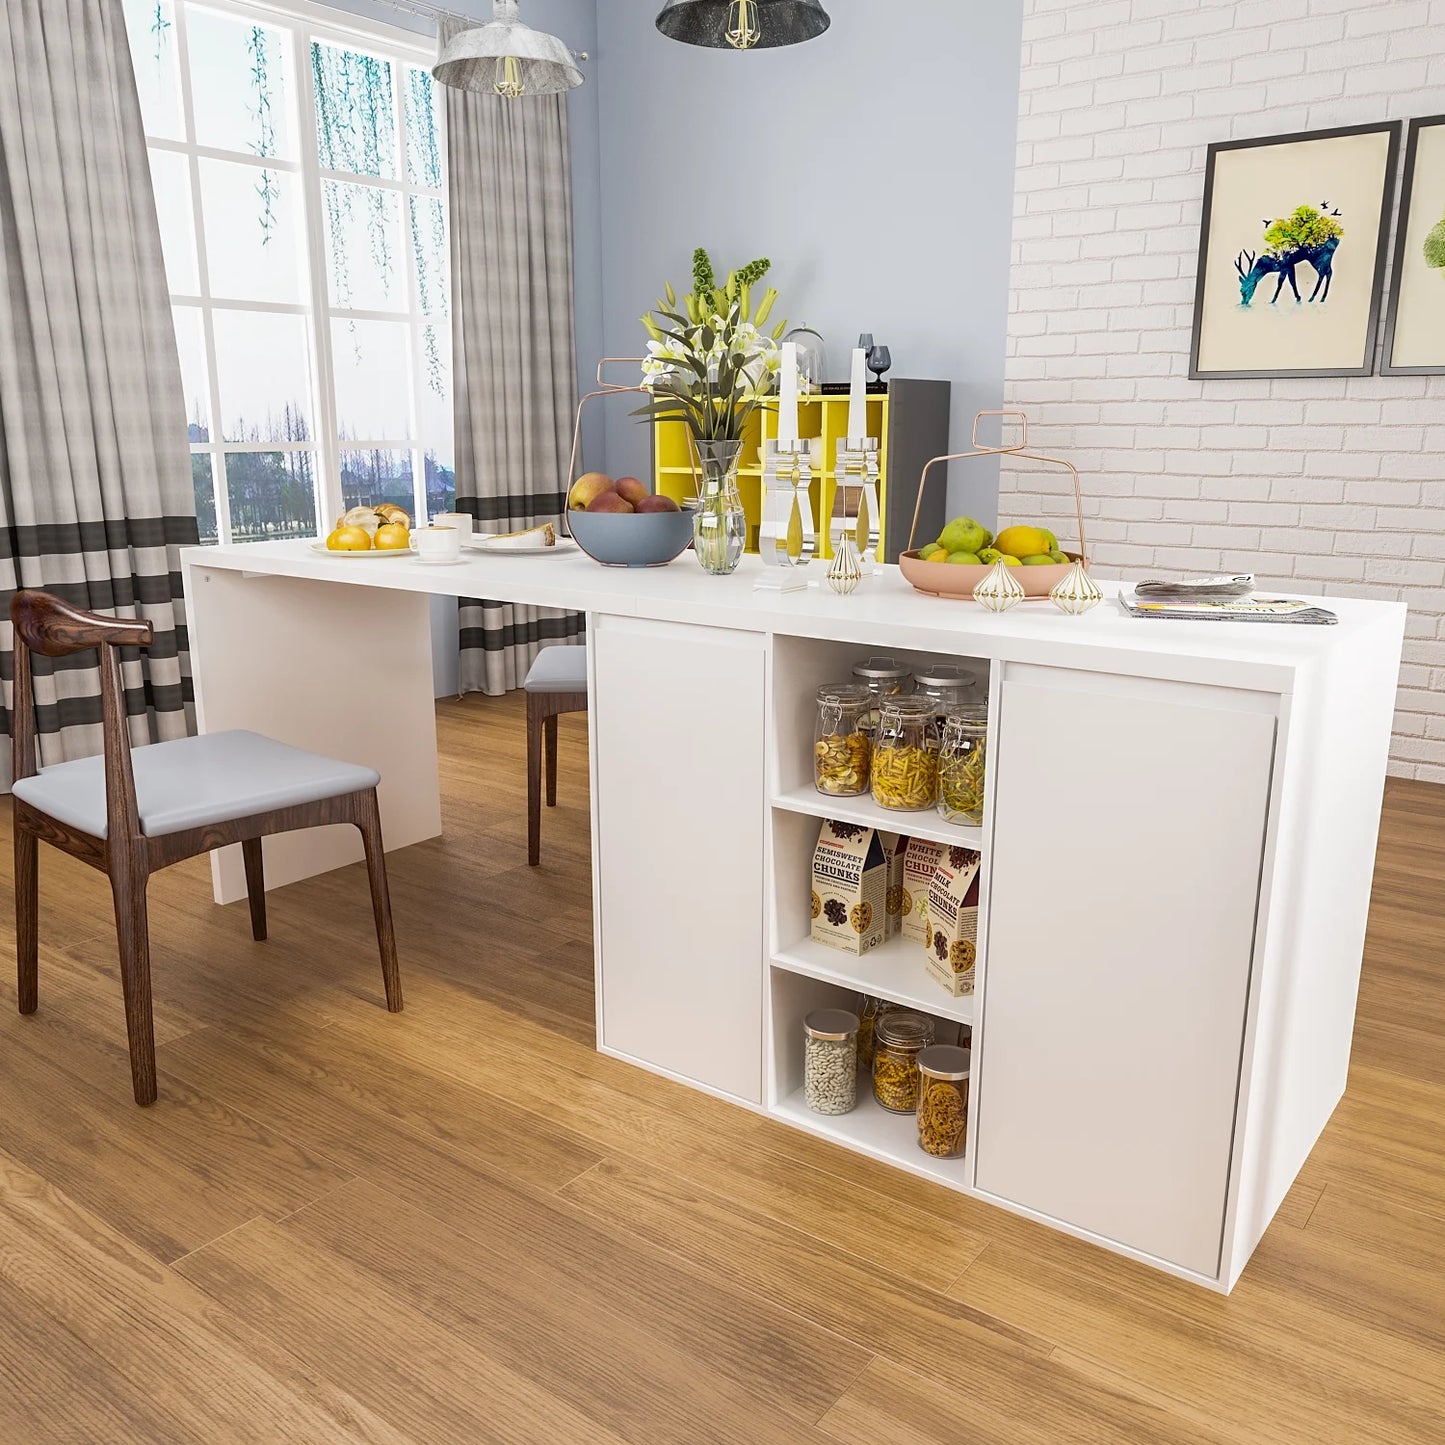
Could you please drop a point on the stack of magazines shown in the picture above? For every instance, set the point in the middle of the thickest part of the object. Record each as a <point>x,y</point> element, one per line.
<point>1218,599</point>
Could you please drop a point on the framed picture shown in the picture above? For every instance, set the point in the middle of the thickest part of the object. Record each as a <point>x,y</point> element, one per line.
<point>1415,322</point>
<point>1292,253</point>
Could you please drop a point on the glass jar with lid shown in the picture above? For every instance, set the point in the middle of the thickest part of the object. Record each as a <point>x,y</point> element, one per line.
<point>948,684</point>
<point>943,1071</point>
<point>898,1038</point>
<point>905,754</point>
<point>841,747</point>
<point>962,759</point>
<point>884,677</point>
<point>870,1010</point>
<point>830,1060</point>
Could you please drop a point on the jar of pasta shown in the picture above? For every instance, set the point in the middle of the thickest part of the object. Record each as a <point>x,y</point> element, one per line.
<point>948,684</point>
<point>841,747</point>
<point>905,754</point>
<point>961,763</point>
<point>898,1038</point>
<point>870,1010</point>
<point>943,1071</point>
<point>884,677</point>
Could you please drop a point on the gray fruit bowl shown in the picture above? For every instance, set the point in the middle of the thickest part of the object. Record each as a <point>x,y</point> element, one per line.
<point>632,539</point>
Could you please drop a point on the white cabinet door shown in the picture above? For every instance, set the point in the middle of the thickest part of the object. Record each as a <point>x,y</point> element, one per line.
<point>679,797</point>
<point>1129,822</point>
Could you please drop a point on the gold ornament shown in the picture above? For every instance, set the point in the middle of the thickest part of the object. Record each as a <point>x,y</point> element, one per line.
<point>1076,593</point>
<point>999,590</point>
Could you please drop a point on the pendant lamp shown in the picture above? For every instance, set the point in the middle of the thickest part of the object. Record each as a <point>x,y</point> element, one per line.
<point>507,58</point>
<point>742,24</point>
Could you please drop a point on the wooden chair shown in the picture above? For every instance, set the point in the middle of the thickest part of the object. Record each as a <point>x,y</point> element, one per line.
<point>130,815</point>
<point>556,683</point>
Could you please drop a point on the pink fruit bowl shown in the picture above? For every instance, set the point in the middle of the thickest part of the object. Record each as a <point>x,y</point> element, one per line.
<point>945,579</point>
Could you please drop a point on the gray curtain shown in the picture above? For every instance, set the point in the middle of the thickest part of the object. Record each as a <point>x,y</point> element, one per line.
<point>514,352</point>
<point>95,480</point>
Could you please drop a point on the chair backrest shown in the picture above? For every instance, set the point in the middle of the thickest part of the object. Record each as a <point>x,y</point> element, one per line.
<point>53,628</point>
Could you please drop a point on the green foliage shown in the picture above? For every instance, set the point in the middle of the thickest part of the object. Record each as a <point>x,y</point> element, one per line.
<point>1434,247</point>
<point>159,26</point>
<point>265,144</point>
<point>703,279</point>
<point>754,271</point>
<point>1304,226</point>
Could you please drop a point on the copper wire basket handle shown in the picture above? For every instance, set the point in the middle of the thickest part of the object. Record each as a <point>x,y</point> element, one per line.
<point>1013,451</point>
<point>604,389</point>
<point>1021,416</point>
<point>617,361</point>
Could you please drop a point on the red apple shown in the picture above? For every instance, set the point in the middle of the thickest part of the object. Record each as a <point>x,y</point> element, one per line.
<point>588,487</point>
<point>630,490</point>
<point>651,503</point>
<point>609,502</point>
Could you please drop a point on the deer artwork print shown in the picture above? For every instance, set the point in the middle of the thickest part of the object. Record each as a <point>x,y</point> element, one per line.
<point>1307,235</point>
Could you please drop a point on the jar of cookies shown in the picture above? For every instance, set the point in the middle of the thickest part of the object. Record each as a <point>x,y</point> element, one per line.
<point>830,1060</point>
<point>841,747</point>
<point>943,1071</point>
<point>905,754</point>
<point>898,1038</point>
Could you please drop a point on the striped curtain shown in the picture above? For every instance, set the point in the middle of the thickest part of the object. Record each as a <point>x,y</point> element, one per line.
<point>514,351</point>
<point>95,484</point>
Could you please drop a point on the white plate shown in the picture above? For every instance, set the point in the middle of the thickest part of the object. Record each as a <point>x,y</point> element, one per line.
<point>484,544</point>
<point>370,555</point>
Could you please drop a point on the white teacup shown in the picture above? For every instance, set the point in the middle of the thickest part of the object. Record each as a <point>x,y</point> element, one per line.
<point>436,544</point>
<point>462,521</point>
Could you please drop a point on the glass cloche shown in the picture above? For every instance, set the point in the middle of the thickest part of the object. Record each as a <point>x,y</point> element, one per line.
<point>812,359</point>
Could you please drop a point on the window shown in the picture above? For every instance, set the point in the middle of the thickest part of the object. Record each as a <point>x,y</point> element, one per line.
<point>299,175</point>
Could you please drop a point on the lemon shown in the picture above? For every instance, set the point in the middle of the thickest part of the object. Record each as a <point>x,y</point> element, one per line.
<point>349,539</point>
<point>1024,542</point>
<point>391,537</point>
<point>989,556</point>
<point>1009,561</point>
<point>1041,560</point>
<point>928,553</point>
<point>963,559</point>
<point>1058,556</point>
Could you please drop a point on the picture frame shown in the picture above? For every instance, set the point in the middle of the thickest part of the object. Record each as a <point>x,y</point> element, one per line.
<point>1260,208</point>
<point>1415,333</point>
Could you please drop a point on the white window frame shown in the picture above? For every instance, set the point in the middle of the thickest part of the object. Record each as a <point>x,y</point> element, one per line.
<point>300,23</point>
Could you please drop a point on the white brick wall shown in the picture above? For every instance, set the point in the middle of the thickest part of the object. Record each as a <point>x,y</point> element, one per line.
<point>1326,485</point>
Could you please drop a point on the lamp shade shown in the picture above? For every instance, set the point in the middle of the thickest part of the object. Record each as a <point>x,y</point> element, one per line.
<point>710,22</point>
<point>507,58</point>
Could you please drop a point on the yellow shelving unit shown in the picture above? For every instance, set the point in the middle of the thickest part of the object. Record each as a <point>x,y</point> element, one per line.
<point>819,415</point>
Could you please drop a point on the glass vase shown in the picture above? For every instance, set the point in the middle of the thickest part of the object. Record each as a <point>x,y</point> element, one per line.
<point>719,527</point>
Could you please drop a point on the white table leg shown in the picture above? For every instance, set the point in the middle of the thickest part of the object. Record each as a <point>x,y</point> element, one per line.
<point>344,671</point>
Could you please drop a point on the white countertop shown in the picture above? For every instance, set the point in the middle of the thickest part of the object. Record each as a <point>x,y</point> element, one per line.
<point>885,611</point>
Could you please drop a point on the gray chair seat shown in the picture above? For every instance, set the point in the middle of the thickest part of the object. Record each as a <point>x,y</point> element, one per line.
<point>559,668</point>
<point>192,782</point>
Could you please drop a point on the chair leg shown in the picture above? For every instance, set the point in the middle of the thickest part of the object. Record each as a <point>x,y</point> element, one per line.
<point>27,911</point>
<point>534,779</point>
<point>133,933</point>
<point>369,821</point>
<point>255,886</point>
<point>549,734</point>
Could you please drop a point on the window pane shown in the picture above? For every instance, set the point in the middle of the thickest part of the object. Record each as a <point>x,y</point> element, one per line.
<point>150,25</point>
<point>429,251</point>
<point>272,494</point>
<point>191,344</point>
<point>423,135</point>
<point>372,476</point>
<point>171,182</point>
<point>355,112</point>
<point>365,264</point>
<point>252,218</point>
<point>205,495</point>
<point>263,364</point>
<point>435,419</point>
<point>373,380</point>
<point>241,88</point>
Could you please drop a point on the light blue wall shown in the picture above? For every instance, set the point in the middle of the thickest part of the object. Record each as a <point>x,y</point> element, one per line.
<point>874,165</point>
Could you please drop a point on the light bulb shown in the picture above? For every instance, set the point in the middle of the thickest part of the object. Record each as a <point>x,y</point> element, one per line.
<point>507,78</point>
<point>743,31</point>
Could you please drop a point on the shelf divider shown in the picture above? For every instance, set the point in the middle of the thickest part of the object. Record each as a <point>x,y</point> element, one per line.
<point>894,970</point>
<point>863,809</point>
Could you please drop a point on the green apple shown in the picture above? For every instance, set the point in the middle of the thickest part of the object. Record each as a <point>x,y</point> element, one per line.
<point>963,534</point>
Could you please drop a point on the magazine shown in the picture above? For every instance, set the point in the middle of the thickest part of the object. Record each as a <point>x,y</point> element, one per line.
<point>1226,609</point>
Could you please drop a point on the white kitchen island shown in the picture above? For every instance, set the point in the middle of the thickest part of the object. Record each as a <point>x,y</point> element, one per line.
<point>1178,843</point>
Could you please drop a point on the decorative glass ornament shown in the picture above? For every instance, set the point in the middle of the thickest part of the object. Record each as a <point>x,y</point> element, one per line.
<point>812,359</point>
<point>999,590</point>
<point>845,571</point>
<point>1076,592</point>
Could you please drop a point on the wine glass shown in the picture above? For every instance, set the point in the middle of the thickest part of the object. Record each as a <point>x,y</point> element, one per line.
<point>879,360</point>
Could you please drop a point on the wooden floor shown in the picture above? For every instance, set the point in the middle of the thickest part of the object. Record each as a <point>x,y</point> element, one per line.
<point>462,1224</point>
